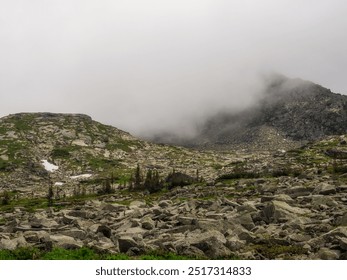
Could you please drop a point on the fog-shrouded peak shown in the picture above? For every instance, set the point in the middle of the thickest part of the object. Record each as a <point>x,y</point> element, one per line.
<point>154,67</point>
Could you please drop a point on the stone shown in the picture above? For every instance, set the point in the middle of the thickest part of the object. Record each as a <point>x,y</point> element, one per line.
<point>8,244</point>
<point>245,220</point>
<point>158,211</point>
<point>190,251</point>
<point>105,230</point>
<point>165,203</point>
<point>319,200</point>
<point>297,191</point>
<point>125,243</point>
<point>268,189</point>
<point>105,247</point>
<point>137,204</point>
<point>12,244</point>
<point>234,243</point>
<point>66,219</point>
<point>284,197</point>
<point>335,234</point>
<point>325,189</point>
<point>75,233</point>
<point>212,243</point>
<point>184,220</point>
<point>280,211</point>
<point>134,231</point>
<point>78,214</point>
<point>147,223</point>
<point>245,235</point>
<point>114,207</point>
<point>247,207</point>
<point>4,157</point>
<point>343,243</point>
<point>135,213</point>
<point>342,188</point>
<point>343,221</point>
<point>36,236</point>
<point>79,142</point>
<point>296,237</point>
<point>327,254</point>
<point>66,242</point>
<point>210,224</point>
<point>43,223</point>
<point>68,133</point>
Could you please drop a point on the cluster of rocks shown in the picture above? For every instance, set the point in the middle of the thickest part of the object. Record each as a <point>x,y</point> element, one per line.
<point>287,220</point>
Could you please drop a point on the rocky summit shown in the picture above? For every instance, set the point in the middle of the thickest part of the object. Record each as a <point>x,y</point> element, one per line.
<point>289,113</point>
<point>67,181</point>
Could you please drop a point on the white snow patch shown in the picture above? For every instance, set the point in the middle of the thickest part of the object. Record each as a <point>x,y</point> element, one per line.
<point>81,176</point>
<point>50,167</point>
<point>58,183</point>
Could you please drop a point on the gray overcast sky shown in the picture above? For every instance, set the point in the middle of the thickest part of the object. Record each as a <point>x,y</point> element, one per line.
<point>149,65</point>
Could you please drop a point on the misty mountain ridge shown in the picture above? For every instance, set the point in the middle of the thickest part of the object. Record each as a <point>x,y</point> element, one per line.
<point>289,113</point>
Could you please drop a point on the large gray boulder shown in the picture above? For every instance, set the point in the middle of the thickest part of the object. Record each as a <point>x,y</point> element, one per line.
<point>327,254</point>
<point>280,211</point>
<point>147,223</point>
<point>125,243</point>
<point>343,243</point>
<point>297,191</point>
<point>343,221</point>
<point>325,189</point>
<point>66,242</point>
<point>12,244</point>
<point>212,243</point>
<point>245,219</point>
<point>40,220</point>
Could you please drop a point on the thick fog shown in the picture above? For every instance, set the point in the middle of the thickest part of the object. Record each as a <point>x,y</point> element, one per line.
<point>162,65</point>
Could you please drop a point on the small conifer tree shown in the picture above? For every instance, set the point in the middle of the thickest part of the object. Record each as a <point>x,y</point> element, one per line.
<point>50,195</point>
<point>5,198</point>
<point>137,178</point>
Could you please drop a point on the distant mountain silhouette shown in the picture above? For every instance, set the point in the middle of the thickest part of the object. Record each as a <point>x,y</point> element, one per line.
<point>291,112</point>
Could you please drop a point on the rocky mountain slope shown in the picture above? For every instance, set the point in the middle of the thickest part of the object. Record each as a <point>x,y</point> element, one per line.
<point>39,149</point>
<point>251,205</point>
<point>290,112</point>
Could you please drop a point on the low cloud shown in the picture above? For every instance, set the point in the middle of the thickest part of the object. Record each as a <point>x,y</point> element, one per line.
<point>162,66</point>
